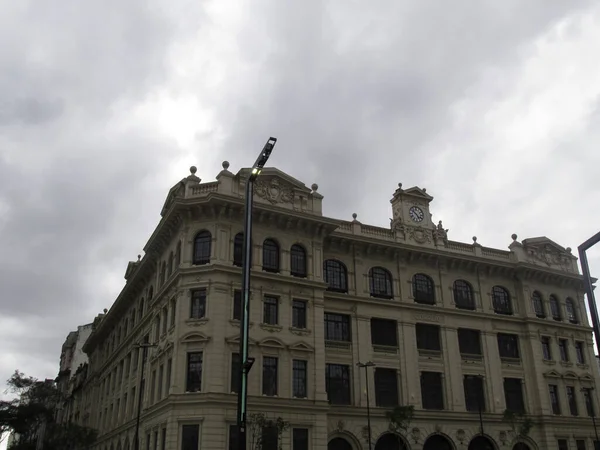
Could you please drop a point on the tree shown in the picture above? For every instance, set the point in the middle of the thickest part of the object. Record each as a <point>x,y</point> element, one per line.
<point>399,420</point>
<point>260,428</point>
<point>35,406</point>
<point>520,424</point>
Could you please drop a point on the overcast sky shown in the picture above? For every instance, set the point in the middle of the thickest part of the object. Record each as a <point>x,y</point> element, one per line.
<point>492,106</point>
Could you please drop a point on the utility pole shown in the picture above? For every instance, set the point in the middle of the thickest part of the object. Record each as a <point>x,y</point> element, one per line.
<point>144,346</point>
<point>587,281</point>
<point>245,361</point>
<point>366,367</point>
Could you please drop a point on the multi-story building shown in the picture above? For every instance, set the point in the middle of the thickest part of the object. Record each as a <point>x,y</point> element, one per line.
<point>459,331</point>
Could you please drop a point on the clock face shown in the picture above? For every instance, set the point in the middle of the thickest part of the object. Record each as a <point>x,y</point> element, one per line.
<point>416,213</point>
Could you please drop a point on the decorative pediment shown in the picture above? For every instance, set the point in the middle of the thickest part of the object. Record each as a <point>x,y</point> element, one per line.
<point>176,191</point>
<point>417,192</point>
<point>570,375</point>
<point>301,347</point>
<point>235,340</point>
<point>194,337</point>
<point>272,343</point>
<point>541,250</point>
<point>586,377</point>
<point>552,374</point>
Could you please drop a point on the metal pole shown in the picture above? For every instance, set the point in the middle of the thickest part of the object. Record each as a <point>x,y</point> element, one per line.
<point>587,281</point>
<point>245,361</point>
<point>136,439</point>
<point>368,407</point>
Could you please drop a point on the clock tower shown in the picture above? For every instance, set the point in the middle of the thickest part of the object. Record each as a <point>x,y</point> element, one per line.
<point>411,219</point>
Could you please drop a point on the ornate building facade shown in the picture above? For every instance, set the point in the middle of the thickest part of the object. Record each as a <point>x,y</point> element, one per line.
<point>461,332</point>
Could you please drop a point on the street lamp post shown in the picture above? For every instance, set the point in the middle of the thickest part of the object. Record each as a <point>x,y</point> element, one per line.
<point>366,367</point>
<point>590,407</point>
<point>245,362</point>
<point>587,280</point>
<point>144,346</point>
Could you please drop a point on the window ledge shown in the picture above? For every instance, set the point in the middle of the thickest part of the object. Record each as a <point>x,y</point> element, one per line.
<point>583,366</point>
<point>196,322</point>
<point>341,345</point>
<point>550,362</point>
<point>566,364</point>
<point>512,361</point>
<point>471,357</point>
<point>377,348</point>
<point>271,328</point>
<point>430,353</point>
<point>300,331</point>
<point>236,323</point>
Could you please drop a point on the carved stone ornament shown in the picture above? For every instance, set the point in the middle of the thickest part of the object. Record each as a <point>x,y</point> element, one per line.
<point>460,435</point>
<point>550,256</point>
<point>340,425</point>
<point>274,192</point>
<point>420,235</point>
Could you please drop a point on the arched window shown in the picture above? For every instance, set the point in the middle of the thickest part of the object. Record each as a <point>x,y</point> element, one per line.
<point>202,247</point>
<point>270,256</point>
<point>423,289</point>
<point>380,283</point>
<point>481,443</point>
<point>335,275</point>
<point>555,308</point>
<point>238,250</point>
<point>463,295</point>
<point>339,443</point>
<point>150,293</point>
<point>538,304</point>
<point>178,255</point>
<point>501,301</point>
<point>298,261</point>
<point>163,269</point>
<point>170,264</point>
<point>571,311</point>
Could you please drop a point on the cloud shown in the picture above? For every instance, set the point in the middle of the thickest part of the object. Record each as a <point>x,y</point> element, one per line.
<point>494,110</point>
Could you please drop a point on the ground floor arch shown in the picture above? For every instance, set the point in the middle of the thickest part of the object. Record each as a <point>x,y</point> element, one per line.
<point>481,443</point>
<point>389,441</point>
<point>339,443</point>
<point>438,442</point>
<point>521,446</point>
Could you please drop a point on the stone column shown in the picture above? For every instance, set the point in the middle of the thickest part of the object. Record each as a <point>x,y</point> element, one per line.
<point>452,362</point>
<point>409,357</point>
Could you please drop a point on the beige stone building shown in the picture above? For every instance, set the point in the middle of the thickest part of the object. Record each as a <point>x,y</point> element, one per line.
<point>452,328</point>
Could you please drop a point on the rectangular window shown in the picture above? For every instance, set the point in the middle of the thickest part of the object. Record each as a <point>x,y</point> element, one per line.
<point>269,384</point>
<point>580,444</point>
<point>168,376</point>
<point>153,388</point>
<point>148,441</point>
<point>190,437</point>
<point>337,384</point>
<point>554,401</point>
<point>299,378</point>
<point>337,327</point>
<point>235,372</point>
<point>564,350</point>
<point>563,444</point>
<point>474,393</point>
<point>173,311</point>
<point>384,332</point>
<point>300,439</point>
<point>198,304</point>
<point>432,390</point>
<point>165,319</point>
<point>233,437</point>
<point>386,387</point>
<point>132,403</point>
<point>579,352</point>
<point>194,372</point>
<point>469,341</point>
<point>589,404</point>
<point>508,345</point>
<point>299,314</point>
<point>513,395</point>
<point>237,305</point>
<point>546,352</point>
<point>156,440</point>
<point>428,337</point>
<point>271,310</point>
<point>163,445</point>
<point>160,382</point>
<point>572,399</point>
<point>270,438</point>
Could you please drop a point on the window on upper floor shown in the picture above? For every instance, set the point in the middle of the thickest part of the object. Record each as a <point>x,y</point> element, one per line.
<point>384,332</point>
<point>141,308</point>
<point>386,387</point>
<point>463,295</point>
<point>237,305</point>
<point>173,306</point>
<point>198,304</point>
<point>538,305</point>
<point>469,341</point>
<point>163,273</point>
<point>513,395</point>
<point>298,261</point>
<point>270,256</point>
<point>269,437</point>
<point>555,308</point>
<point>501,301</point>
<point>563,444</point>
<point>157,328</point>
<point>571,311</point>
<point>299,378</point>
<point>177,255</point>
<point>554,401</point>
<point>546,349</point>
<point>190,437</point>
<point>572,401</point>
<point>380,283</point>
<point>579,352</point>
<point>428,337</point>
<point>588,400</point>
<point>474,393</point>
<point>335,275</point>
<point>170,264</point>
<point>270,310</point>
<point>337,327</point>
<point>432,390</point>
<point>337,384</point>
<point>238,250</point>
<point>563,347</point>
<point>299,313</point>
<point>423,289</point>
<point>150,293</point>
<point>165,319</point>
<point>270,375</point>
<point>202,248</point>
<point>580,444</point>
<point>194,372</point>
<point>300,439</point>
<point>235,372</point>
<point>508,345</point>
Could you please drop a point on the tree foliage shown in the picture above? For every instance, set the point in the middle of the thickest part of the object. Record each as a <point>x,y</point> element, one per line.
<point>258,422</point>
<point>521,424</point>
<point>33,409</point>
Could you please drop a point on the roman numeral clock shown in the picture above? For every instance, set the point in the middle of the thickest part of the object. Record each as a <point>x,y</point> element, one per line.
<point>411,215</point>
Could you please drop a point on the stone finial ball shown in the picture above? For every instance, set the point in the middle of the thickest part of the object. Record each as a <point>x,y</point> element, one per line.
<point>424,189</point>
<point>474,238</point>
<point>193,170</point>
<point>399,185</point>
<point>105,310</point>
<point>315,187</point>
<point>354,216</point>
<point>514,236</point>
<point>225,165</point>
<point>568,249</point>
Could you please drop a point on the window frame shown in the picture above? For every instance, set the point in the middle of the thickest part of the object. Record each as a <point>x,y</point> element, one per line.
<point>298,261</point>
<point>425,342</point>
<point>299,384</point>
<point>501,301</point>
<point>381,283</point>
<point>270,376</point>
<point>342,384</point>
<point>338,327</point>
<point>537,302</point>
<point>270,310</point>
<point>335,274</point>
<point>506,345</point>
<point>238,249</point>
<point>387,393</point>
<point>202,249</point>
<point>378,327</point>
<point>271,256</point>
<point>431,397</point>
<point>299,314</point>
<point>423,289</point>
<point>192,385</point>
<point>466,336</point>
